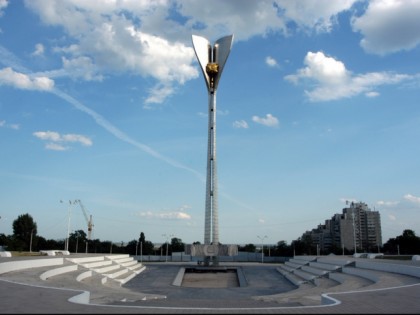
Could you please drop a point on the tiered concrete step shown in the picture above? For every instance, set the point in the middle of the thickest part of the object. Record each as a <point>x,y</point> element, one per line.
<point>84,260</point>
<point>107,269</point>
<point>285,268</point>
<point>117,273</point>
<point>137,268</point>
<point>296,280</point>
<point>324,266</point>
<point>305,275</point>
<point>122,270</point>
<point>129,263</point>
<point>315,271</point>
<point>335,261</point>
<point>348,281</point>
<point>100,263</point>
<point>119,258</point>
<point>119,268</point>
<point>292,265</point>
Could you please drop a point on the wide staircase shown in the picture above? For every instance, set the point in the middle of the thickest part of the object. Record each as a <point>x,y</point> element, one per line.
<point>108,270</point>
<point>315,275</point>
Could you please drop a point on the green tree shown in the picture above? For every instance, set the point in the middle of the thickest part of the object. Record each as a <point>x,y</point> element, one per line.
<point>77,241</point>
<point>409,243</point>
<point>24,230</point>
<point>132,248</point>
<point>177,245</point>
<point>148,248</point>
<point>250,248</point>
<point>282,249</point>
<point>145,247</point>
<point>405,244</point>
<point>142,238</point>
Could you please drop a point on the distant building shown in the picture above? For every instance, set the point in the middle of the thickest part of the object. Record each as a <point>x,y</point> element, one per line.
<point>357,226</point>
<point>367,227</point>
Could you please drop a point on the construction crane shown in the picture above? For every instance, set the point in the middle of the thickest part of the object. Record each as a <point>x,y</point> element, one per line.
<point>88,220</point>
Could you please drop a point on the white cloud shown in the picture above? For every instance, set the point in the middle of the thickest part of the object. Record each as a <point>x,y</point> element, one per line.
<point>85,141</point>
<point>240,124</point>
<point>55,140</point>
<point>220,17</point>
<point>269,120</point>
<point>158,94</point>
<point>23,81</point>
<point>179,214</point>
<point>10,126</point>
<point>331,80</point>
<point>320,15</point>
<point>3,5</point>
<point>412,199</point>
<point>321,68</point>
<point>106,39</point>
<point>47,135</point>
<point>143,38</point>
<point>388,26</point>
<point>39,50</point>
<point>372,94</point>
<point>175,215</point>
<point>392,217</point>
<point>55,147</point>
<point>81,67</point>
<point>387,203</point>
<point>271,62</point>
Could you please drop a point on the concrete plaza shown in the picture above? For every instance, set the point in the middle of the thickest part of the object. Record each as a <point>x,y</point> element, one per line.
<point>152,291</point>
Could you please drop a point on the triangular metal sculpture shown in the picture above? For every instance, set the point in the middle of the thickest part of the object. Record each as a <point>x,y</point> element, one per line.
<point>212,60</point>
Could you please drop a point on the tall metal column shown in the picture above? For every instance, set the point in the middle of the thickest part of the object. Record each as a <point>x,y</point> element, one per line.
<point>212,61</point>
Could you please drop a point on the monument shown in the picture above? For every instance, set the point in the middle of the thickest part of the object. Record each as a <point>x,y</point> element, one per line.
<point>212,60</point>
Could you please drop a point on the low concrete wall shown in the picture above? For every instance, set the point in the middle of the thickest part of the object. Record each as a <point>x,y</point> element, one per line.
<point>307,258</point>
<point>83,260</point>
<point>30,263</point>
<point>57,271</point>
<point>178,279</point>
<point>361,273</point>
<point>84,275</point>
<point>334,261</point>
<point>96,264</point>
<point>113,257</point>
<point>389,267</point>
<point>83,298</point>
<point>54,252</point>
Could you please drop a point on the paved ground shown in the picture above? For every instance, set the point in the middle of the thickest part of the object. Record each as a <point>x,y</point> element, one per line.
<point>152,292</point>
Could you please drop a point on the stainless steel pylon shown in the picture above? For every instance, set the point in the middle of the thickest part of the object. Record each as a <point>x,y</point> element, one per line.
<point>212,60</point>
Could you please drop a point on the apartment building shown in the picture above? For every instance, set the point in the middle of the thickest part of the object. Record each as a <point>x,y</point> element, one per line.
<point>356,227</point>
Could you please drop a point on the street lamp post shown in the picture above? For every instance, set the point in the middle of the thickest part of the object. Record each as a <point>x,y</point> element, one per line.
<point>141,252</point>
<point>262,246</point>
<point>68,224</point>
<point>77,242</point>
<point>167,243</point>
<point>137,245</point>
<point>30,243</point>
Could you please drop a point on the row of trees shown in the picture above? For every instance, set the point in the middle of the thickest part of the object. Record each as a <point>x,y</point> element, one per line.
<point>25,238</point>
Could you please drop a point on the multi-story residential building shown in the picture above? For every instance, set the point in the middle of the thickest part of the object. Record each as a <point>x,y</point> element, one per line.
<point>357,227</point>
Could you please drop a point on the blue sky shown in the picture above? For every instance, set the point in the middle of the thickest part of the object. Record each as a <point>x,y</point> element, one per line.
<point>104,101</point>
